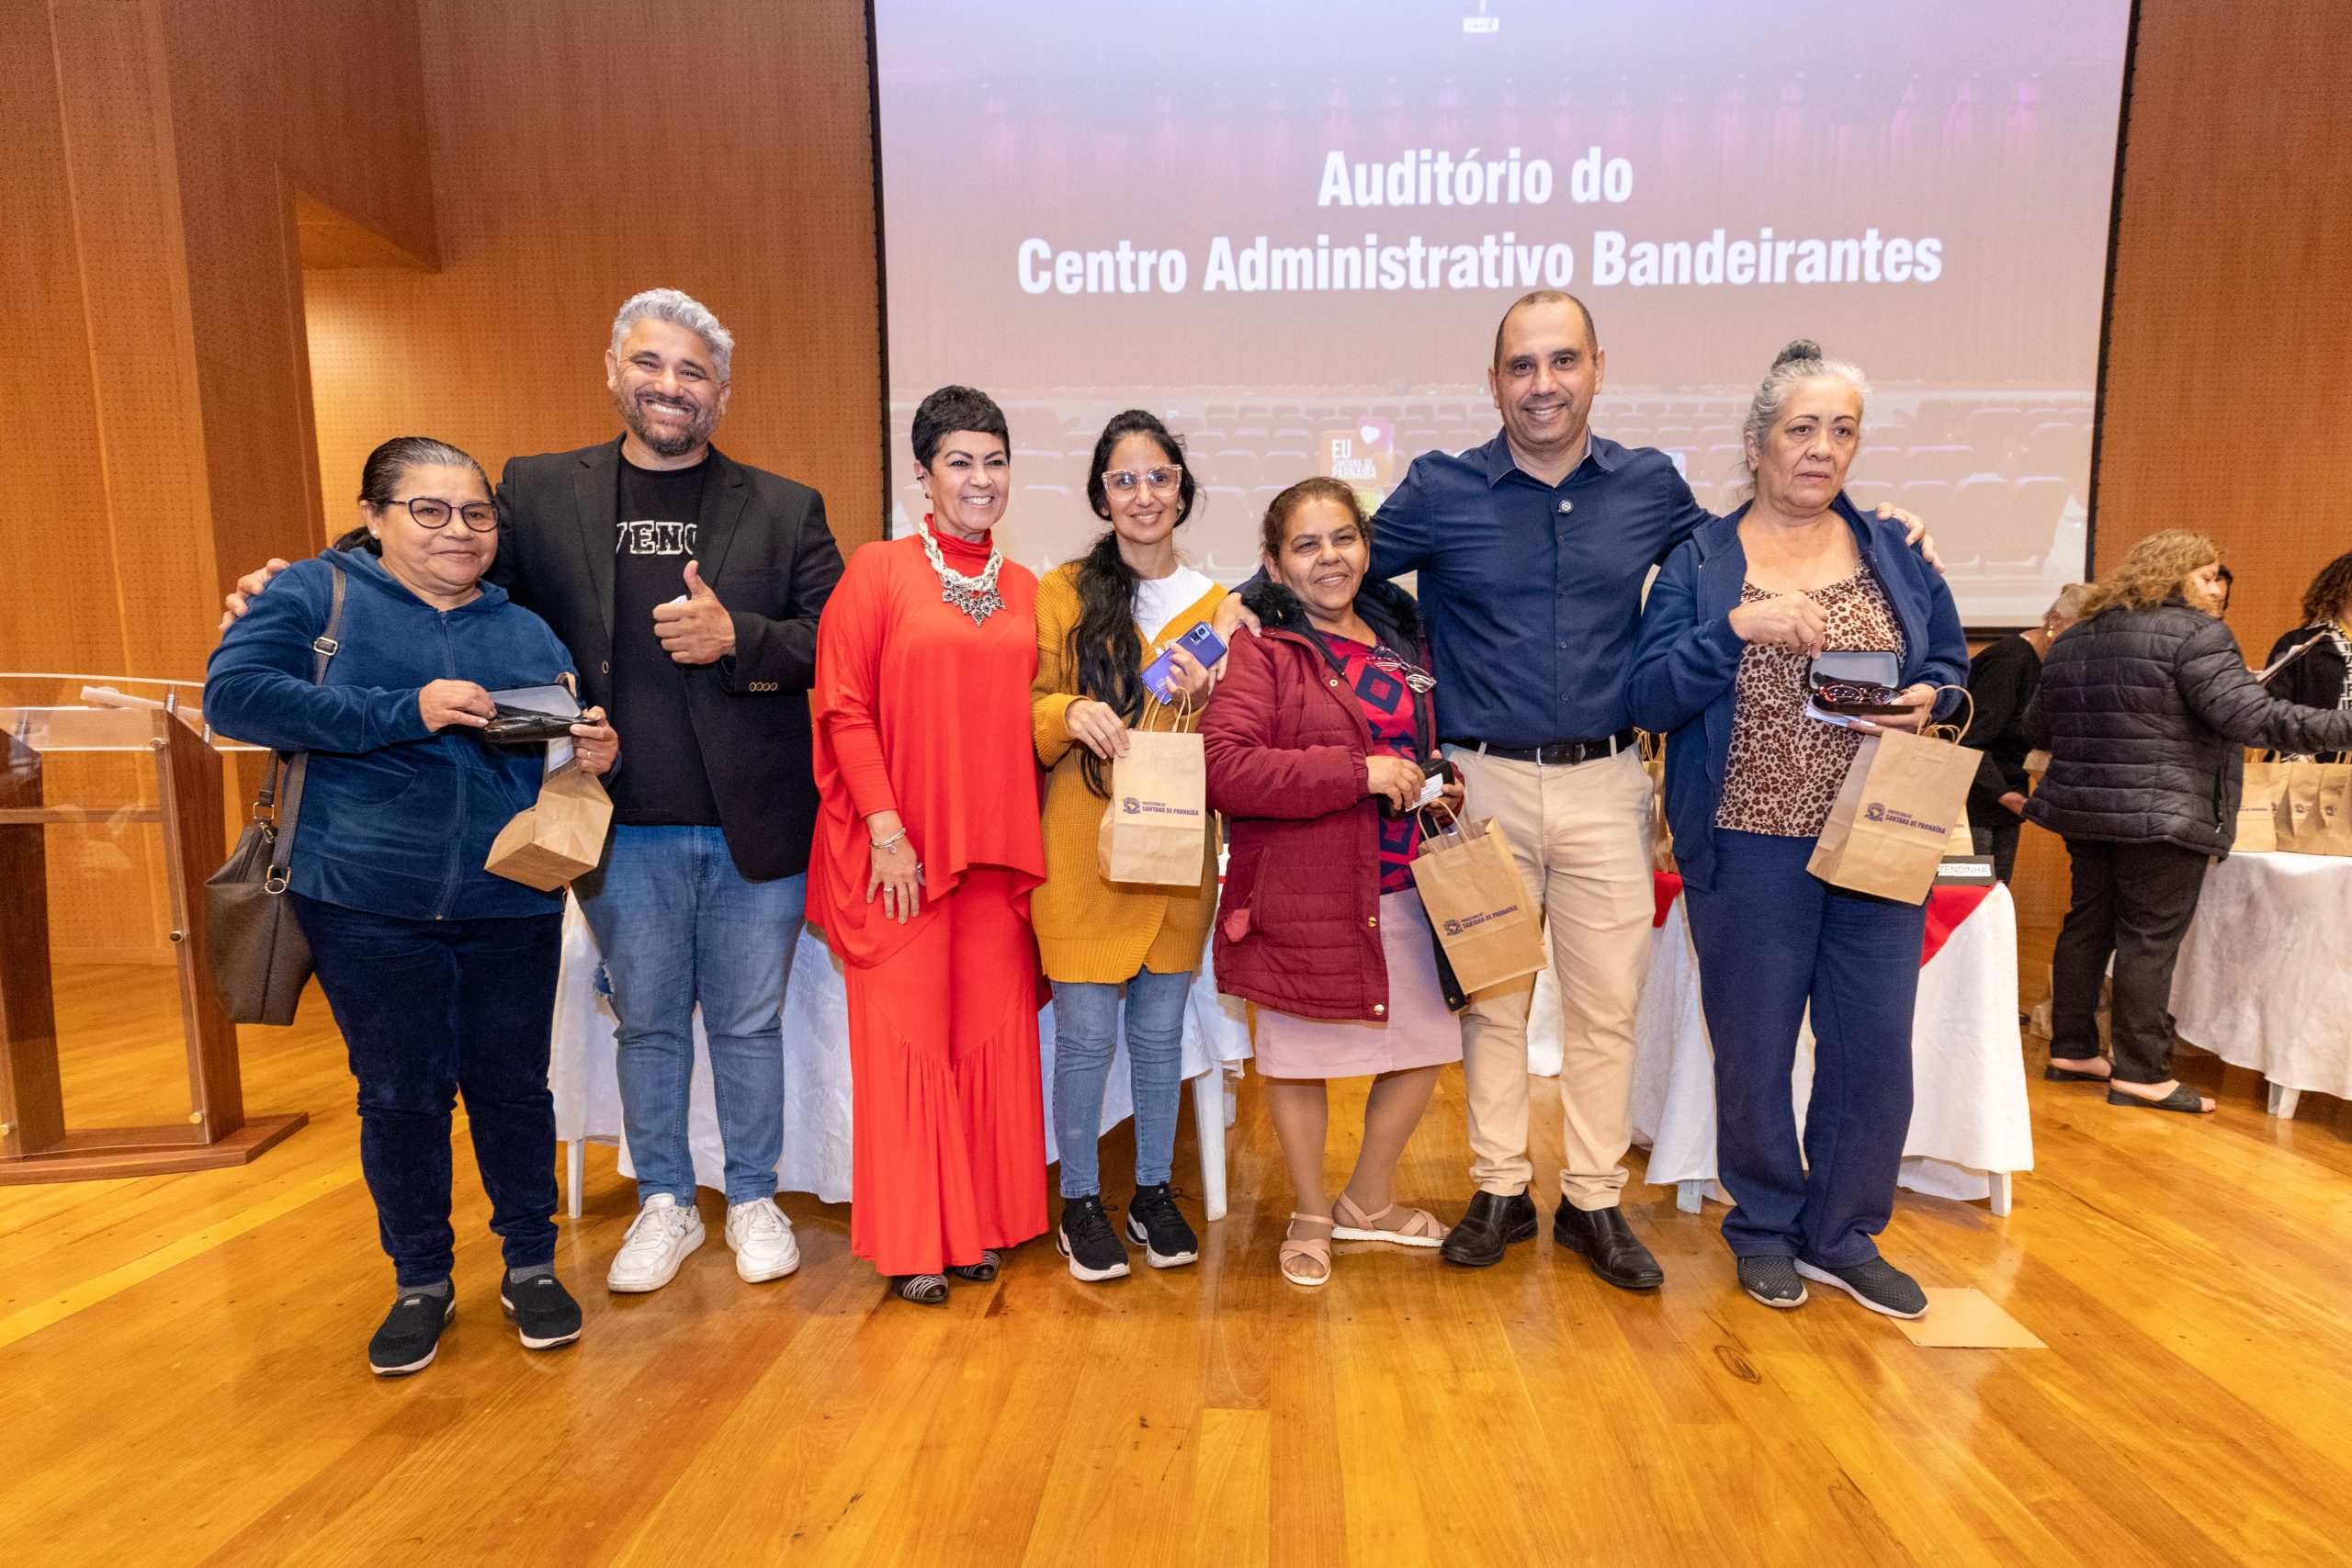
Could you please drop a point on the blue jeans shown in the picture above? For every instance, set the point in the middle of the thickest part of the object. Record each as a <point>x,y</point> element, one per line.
<point>428,1008</point>
<point>1086,1032</point>
<point>677,924</point>
<point>1771,937</point>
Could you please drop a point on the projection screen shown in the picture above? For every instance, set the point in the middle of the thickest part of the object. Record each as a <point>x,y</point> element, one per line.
<point>1290,231</point>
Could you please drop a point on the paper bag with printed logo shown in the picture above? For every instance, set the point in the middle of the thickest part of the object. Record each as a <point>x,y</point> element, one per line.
<point>2330,831</point>
<point>1155,826</point>
<point>2298,824</point>
<point>557,838</point>
<point>2257,823</point>
<point>1894,814</point>
<point>1471,889</point>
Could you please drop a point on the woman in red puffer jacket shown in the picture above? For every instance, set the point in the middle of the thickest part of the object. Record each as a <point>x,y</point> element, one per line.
<point>1326,712</point>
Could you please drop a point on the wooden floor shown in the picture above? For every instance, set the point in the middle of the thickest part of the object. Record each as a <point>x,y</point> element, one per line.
<point>182,1377</point>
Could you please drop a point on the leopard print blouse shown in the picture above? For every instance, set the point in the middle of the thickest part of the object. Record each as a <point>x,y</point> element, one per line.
<point>1785,768</point>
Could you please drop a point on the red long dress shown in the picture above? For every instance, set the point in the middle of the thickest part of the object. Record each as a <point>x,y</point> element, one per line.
<point>920,711</point>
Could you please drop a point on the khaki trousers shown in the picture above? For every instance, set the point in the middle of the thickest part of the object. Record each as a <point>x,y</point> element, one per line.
<point>1581,838</point>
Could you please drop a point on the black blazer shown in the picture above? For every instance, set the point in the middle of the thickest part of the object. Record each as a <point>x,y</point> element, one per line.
<point>765,551</point>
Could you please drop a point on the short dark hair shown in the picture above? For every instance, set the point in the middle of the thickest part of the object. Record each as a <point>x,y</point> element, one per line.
<point>2323,600</point>
<point>951,409</point>
<point>1544,297</point>
<point>381,475</point>
<point>1321,487</point>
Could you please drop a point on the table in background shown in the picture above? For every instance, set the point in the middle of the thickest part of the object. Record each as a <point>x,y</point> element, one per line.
<point>2263,980</point>
<point>817,1079</point>
<point>1970,1127</point>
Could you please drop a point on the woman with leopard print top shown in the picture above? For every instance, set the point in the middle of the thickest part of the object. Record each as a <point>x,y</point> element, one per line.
<point>1731,627</point>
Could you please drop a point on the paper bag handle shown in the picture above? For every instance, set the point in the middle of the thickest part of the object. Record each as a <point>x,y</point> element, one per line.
<point>1952,732</point>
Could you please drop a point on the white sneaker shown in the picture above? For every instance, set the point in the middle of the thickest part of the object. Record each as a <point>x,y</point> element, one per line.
<point>760,1234</point>
<point>658,1241</point>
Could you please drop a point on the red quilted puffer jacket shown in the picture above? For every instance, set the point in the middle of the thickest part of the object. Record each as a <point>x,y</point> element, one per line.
<point>1297,928</point>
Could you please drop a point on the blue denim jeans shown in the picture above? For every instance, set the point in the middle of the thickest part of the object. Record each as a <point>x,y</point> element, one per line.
<point>677,924</point>
<point>1086,1033</point>
<point>1770,938</point>
<point>427,1008</point>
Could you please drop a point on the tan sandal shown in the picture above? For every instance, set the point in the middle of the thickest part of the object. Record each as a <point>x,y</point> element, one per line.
<point>1297,1249</point>
<point>1420,1227</point>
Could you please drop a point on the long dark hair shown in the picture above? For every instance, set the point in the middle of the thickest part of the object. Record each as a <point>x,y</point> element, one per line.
<point>381,475</point>
<point>1105,648</point>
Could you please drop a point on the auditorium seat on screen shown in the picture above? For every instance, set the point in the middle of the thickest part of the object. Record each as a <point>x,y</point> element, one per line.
<point>1948,461</point>
<point>1929,499</point>
<point>1868,495</point>
<point>2037,504</point>
<point>2056,446</point>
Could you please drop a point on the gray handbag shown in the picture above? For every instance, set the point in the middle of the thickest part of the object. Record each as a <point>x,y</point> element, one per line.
<point>255,949</point>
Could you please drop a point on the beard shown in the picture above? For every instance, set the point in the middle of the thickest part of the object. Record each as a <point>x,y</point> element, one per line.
<point>669,440</point>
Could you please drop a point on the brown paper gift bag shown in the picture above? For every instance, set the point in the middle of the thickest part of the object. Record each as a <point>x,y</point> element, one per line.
<point>560,838</point>
<point>2330,831</point>
<point>1471,889</point>
<point>1155,826</point>
<point>1893,816</point>
<point>2257,823</point>
<point>2298,805</point>
<point>1661,837</point>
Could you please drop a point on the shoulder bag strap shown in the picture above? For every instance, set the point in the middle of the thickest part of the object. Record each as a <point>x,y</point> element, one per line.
<point>281,849</point>
<point>1423,722</point>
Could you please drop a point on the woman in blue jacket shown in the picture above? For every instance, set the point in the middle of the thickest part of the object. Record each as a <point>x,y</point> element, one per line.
<point>1730,630</point>
<point>440,974</point>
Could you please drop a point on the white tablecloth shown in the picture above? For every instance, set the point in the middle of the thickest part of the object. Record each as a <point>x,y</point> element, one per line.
<point>2264,981</point>
<point>816,1065</point>
<point>1968,1121</point>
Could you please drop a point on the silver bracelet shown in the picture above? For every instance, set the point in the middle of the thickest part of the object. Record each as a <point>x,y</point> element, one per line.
<point>884,846</point>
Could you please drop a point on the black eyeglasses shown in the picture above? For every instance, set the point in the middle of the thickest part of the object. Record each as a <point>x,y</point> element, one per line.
<point>430,512</point>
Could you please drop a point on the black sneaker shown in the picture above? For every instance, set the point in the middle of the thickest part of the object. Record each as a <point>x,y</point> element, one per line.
<point>1157,1224</point>
<point>541,1310</point>
<point>1877,1284</point>
<point>411,1335</point>
<point>1086,1238</point>
<point>1773,1281</point>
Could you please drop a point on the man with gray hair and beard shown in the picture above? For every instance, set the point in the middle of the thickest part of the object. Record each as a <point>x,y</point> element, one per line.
<point>687,587</point>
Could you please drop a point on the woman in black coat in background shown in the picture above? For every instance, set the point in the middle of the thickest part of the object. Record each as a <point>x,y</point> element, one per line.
<point>2321,675</point>
<point>2145,707</point>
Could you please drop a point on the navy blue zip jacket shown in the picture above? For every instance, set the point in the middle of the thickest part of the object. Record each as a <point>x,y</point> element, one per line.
<point>1686,663</point>
<point>394,820</point>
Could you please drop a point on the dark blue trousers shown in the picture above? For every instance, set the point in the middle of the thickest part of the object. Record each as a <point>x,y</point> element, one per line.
<point>1770,938</point>
<point>428,1008</point>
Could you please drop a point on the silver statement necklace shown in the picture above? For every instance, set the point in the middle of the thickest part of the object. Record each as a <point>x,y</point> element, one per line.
<point>976,596</point>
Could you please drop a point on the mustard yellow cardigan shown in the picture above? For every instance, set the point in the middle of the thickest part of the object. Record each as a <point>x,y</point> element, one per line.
<point>1089,929</point>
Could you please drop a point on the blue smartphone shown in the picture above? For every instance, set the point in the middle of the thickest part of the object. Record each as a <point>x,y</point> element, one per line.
<point>1201,642</point>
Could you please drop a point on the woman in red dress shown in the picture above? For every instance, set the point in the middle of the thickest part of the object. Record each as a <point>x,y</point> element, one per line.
<point>927,845</point>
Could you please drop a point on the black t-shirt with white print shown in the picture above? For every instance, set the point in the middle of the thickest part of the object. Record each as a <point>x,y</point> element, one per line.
<point>663,782</point>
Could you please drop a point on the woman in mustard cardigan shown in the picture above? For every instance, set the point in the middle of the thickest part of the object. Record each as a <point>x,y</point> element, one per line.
<point>1100,620</point>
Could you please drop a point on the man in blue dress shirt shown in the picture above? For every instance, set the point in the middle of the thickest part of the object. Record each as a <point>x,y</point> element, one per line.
<point>1531,552</point>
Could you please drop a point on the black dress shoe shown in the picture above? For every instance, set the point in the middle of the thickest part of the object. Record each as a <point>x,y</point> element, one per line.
<point>1608,1244</point>
<point>1491,1225</point>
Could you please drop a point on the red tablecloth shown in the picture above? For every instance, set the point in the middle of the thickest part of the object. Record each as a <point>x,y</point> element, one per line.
<point>1947,908</point>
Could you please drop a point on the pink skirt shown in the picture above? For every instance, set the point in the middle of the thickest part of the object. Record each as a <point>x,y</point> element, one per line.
<point>1419,1030</point>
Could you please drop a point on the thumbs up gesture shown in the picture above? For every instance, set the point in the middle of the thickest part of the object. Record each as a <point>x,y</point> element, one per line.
<point>696,629</point>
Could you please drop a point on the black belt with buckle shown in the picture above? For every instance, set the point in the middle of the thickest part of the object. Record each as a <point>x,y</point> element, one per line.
<point>1557,753</point>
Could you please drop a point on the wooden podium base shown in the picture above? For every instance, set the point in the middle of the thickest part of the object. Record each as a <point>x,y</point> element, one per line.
<point>116,1152</point>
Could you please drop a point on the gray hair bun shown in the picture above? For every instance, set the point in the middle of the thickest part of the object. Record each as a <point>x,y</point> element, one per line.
<point>1804,348</point>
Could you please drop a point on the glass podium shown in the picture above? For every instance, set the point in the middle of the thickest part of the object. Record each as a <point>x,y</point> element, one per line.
<point>110,820</point>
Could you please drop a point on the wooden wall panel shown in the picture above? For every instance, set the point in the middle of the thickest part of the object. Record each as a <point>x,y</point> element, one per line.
<point>2228,408</point>
<point>149,153</point>
<point>583,153</point>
